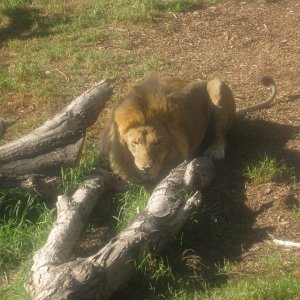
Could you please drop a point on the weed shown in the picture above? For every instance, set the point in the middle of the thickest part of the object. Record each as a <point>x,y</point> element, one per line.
<point>281,287</point>
<point>130,204</point>
<point>14,289</point>
<point>5,4</point>
<point>155,272</point>
<point>181,5</point>
<point>267,169</point>
<point>71,178</point>
<point>275,1</point>
<point>223,268</point>
<point>146,66</point>
<point>24,70</point>
<point>24,225</point>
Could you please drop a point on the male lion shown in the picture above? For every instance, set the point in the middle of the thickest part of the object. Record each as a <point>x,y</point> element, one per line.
<point>163,120</point>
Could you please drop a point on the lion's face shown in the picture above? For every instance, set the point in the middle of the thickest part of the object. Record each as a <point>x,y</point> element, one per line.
<point>149,146</point>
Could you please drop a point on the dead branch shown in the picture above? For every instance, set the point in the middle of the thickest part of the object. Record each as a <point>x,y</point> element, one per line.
<point>286,243</point>
<point>100,275</point>
<point>42,185</point>
<point>57,143</point>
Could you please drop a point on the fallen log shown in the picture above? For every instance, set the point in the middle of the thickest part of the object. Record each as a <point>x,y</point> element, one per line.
<point>46,186</point>
<point>57,143</point>
<point>172,202</point>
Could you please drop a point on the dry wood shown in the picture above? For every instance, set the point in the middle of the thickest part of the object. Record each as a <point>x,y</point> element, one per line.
<point>59,141</point>
<point>43,185</point>
<point>286,243</point>
<point>100,275</point>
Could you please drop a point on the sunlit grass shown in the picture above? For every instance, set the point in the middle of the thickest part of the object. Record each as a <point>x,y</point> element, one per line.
<point>267,169</point>
<point>24,226</point>
<point>72,177</point>
<point>130,204</point>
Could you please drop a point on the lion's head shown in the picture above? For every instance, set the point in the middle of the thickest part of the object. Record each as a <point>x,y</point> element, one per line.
<point>153,128</point>
<point>148,146</point>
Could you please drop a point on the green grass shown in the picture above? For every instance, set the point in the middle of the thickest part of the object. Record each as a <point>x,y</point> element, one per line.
<point>43,79</point>
<point>24,226</point>
<point>282,287</point>
<point>267,169</point>
<point>72,177</point>
<point>15,290</point>
<point>130,204</point>
<point>166,277</point>
<point>159,277</point>
<point>154,273</point>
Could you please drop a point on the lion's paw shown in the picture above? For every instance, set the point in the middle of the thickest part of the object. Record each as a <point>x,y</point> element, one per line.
<point>215,152</point>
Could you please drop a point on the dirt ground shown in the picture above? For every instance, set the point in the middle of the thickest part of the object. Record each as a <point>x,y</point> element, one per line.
<point>240,42</point>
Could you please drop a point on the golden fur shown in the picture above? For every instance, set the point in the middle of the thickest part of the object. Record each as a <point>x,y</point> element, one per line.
<point>161,122</point>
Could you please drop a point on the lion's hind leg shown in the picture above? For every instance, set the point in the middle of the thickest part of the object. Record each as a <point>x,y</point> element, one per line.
<point>223,114</point>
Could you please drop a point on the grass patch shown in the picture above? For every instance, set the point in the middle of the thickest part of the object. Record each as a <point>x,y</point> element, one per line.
<point>39,79</point>
<point>154,274</point>
<point>182,5</point>
<point>24,225</point>
<point>279,287</point>
<point>72,177</point>
<point>267,169</point>
<point>130,204</point>
<point>15,290</point>
<point>282,287</point>
<point>158,277</point>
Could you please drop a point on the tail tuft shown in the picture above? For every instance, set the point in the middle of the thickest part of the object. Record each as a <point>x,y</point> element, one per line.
<point>267,80</point>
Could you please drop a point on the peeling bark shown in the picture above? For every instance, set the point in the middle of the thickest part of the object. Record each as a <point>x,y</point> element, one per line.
<point>59,141</point>
<point>102,274</point>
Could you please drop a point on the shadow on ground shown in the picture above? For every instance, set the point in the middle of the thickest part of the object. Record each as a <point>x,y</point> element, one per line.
<point>224,230</point>
<point>25,23</point>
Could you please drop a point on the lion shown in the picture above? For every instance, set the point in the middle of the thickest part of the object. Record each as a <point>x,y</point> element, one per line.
<point>162,121</point>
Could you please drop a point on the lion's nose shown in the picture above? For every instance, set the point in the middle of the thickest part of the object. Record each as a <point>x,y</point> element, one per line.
<point>146,168</point>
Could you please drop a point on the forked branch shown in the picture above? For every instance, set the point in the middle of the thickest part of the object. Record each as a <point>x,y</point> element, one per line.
<point>102,274</point>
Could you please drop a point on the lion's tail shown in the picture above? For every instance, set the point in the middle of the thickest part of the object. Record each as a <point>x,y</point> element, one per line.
<point>266,81</point>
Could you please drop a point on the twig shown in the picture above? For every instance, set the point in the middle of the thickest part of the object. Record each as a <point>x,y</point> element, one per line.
<point>286,243</point>
<point>60,72</point>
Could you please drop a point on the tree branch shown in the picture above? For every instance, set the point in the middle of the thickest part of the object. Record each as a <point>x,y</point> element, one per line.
<point>100,275</point>
<point>57,143</point>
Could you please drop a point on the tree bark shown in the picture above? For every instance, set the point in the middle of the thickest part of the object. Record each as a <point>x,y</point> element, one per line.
<point>47,186</point>
<point>100,275</point>
<point>58,142</point>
